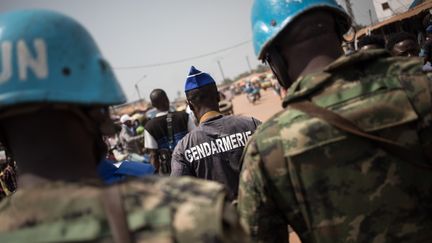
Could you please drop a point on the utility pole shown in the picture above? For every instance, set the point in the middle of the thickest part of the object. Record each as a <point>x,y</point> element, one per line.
<point>137,88</point>
<point>348,6</point>
<point>138,91</point>
<point>248,63</point>
<point>221,70</point>
<point>370,17</point>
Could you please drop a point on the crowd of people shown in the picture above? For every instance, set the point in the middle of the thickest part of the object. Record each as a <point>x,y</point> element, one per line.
<point>347,160</point>
<point>401,44</point>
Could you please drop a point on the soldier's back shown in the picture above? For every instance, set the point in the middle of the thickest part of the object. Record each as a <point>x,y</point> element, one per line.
<point>336,187</point>
<point>157,209</point>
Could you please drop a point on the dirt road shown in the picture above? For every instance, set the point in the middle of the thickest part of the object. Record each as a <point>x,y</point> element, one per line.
<point>263,109</point>
<point>266,107</point>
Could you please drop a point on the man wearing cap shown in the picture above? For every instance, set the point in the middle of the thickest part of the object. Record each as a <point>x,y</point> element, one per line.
<point>129,140</point>
<point>163,132</point>
<point>53,116</point>
<point>349,158</point>
<point>403,44</point>
<point>371,42</point>
<point>211,151</point>
<point>426,51</point>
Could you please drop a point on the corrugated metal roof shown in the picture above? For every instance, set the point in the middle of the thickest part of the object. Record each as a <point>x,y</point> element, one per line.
<point>408,14</point>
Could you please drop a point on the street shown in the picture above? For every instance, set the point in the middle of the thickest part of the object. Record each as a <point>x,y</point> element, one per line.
<point>263,109</point>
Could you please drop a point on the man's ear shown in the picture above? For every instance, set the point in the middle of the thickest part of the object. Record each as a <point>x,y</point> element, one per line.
<point>191,106</point>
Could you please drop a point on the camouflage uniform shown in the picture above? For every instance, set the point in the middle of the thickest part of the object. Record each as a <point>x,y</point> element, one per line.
<point>334,187</point>
<point>158,210</point>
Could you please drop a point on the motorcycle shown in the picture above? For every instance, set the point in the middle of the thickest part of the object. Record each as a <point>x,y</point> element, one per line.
<point>253,96</point>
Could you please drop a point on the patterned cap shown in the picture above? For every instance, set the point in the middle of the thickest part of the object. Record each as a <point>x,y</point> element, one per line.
<point>197,79</point>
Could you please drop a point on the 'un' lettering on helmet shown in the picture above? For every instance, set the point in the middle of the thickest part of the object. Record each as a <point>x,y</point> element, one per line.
<point>26,61</point>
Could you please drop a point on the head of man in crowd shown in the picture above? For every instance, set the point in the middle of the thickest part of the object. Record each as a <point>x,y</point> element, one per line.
<point>348,48</point>
<point>202,93</point>
<point>126,120</point>
<point>298,50</point>
<point>159,100</point>
<point>371,42</point>
<point>403,44</point>
<point>63,102</point>
<point>428,32</point>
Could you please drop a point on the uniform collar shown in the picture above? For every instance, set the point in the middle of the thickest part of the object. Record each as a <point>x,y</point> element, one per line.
<point>305,85</point>
<point>361,56</point>
<point>161,113</point>
<point>209,115</point>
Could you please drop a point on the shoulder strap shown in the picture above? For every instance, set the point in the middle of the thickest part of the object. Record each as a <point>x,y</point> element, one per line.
<point>169,120</point>
<point>116,215</point>
<point>402,152</point>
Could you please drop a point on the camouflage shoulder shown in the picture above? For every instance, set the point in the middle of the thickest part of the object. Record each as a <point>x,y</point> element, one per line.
<point>53,212</point>
<point>402,65</point>
<point>416,84</point>
<point>158,209</point>
<point>273,132</point>
<point>179,188</point>
<point>184,205</point>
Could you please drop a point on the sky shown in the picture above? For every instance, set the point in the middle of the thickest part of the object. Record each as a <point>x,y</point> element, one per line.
<point>133,33</point>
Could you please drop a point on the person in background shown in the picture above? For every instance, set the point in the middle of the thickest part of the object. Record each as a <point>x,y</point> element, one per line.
<point>139,121</point>
<point>211,151</point>
<point>426,51</point>
<point>52,121</point>
<point>403,44</point>
<point>276,87</point>
<point>371,42</point>
<point>349,158</point>
<point>348,48</point>
<point>8,177</point>
<point>162,133</point>
<point>131,143</point>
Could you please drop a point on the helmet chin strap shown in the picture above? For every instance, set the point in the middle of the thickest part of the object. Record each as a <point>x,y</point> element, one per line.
<point>279,67</point>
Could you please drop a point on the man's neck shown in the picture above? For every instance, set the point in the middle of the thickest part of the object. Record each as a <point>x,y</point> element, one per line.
<point>68,159</point>
<point>56,147</point>
<point>56,167</point>
<point>317,64</point>
<point>209,115</point>
<point>205,110</point>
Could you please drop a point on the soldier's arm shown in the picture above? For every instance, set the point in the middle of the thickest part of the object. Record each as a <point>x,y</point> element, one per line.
<point>154,159</point>
<point>258,212</point>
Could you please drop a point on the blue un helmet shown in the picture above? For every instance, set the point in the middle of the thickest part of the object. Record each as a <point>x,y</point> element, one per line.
<point>270,17</point>
<point>47,57</point>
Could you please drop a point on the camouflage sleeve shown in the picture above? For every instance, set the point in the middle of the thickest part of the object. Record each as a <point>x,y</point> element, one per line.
<point>258,213</point>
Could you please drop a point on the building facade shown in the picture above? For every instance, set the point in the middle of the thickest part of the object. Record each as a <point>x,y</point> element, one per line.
<point>387,8</point>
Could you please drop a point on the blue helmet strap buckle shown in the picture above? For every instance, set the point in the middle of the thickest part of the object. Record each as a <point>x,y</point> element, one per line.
<point>278,66</point>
